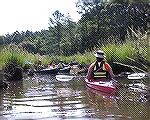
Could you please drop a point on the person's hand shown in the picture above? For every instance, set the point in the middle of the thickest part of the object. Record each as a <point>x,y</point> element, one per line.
<point>90,80</point>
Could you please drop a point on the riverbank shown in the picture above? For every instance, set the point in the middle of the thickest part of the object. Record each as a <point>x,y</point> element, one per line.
<point>3,83</point>
<point>125,53</point>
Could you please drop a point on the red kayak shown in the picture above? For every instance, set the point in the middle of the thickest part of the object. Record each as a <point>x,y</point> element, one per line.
<point>102,85</point>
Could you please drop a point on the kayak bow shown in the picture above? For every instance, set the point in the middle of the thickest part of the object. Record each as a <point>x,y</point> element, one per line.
<point>104,86</point>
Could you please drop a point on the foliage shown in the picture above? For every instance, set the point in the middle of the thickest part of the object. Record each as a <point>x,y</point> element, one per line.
<point>104,24</point>
<point>119,53</point>
<point>16,54</point>
<point>99,23</point>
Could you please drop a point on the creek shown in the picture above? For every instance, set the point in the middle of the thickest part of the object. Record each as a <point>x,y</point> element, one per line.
<point>42,97</point>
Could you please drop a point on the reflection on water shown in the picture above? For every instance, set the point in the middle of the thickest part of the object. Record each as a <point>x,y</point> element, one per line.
<point>43,97</point>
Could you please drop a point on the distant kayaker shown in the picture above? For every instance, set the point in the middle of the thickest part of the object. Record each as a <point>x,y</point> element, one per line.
<point>39,65</point>
<point>51,65</point>
<point>100,68</point>
<point>61,65</point>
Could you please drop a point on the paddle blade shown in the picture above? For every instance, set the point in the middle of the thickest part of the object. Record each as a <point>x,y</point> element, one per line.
<point>136,76</point>
<point>64,78</point>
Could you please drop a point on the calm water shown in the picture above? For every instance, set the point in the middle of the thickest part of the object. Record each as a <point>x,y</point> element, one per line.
<point>45,98</point>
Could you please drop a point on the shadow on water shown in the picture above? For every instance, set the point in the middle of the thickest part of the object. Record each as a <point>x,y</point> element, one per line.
<point>43,97</point>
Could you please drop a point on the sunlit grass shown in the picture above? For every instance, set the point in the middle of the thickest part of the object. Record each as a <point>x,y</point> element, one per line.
<point>12,53</point>
<point>113,52</point>
<point>9,54</point>
<point>119,52</point>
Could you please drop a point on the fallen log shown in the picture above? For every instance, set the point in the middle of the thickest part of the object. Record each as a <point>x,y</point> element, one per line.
<point>133,68</point>
<point>138,64</point>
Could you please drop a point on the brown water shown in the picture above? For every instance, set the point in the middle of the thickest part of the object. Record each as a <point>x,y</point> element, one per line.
<point>45,98</point>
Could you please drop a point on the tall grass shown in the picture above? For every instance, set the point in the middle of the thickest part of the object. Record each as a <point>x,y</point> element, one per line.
<point>86,58</point>
<point>119,53</point>
<point>135,46</point>
<point>13,53</point>
<point>9,54</point>
<point>113,52</point>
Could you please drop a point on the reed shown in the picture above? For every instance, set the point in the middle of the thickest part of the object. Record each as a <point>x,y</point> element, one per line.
<point>13,53</point>
<point>119,52</point>
<point>132,48</point>
<point>113,52</point>
<point>10,54</point>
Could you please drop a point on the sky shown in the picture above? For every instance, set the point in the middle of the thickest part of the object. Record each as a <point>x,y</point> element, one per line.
<point>32,15</point>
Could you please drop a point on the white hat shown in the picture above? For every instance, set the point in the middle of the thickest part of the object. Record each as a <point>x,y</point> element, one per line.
<point>100,54</point>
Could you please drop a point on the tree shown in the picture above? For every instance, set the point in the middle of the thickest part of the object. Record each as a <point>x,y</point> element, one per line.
<point>56,22</point>
<point>69,43</point>
<point>102,20</point>
<point>1,40</point>
<point>90,23</point>
<point>17,37</point>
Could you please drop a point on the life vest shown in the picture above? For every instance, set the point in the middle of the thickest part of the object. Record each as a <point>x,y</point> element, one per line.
<point>100,71</point>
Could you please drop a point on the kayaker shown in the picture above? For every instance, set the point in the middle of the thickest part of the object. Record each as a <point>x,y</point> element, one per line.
<point>61,65</point>
<point>100,68</point>
<point>39,65</point>
<point>51,65</point>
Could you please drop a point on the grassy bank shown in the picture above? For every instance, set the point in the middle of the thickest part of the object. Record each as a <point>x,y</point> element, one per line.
<point>114,52</point>
<point>14,53</point>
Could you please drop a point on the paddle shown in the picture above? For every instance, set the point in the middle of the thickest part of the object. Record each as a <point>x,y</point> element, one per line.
<point>136,76</point>
<point>65,78</point>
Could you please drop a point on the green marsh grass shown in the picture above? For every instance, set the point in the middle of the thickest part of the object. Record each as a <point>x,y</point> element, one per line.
<point>13,53</point>
<point>114,53</point>
<point>119,52</point>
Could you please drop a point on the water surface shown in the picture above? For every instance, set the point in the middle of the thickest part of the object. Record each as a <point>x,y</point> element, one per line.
<point>42,97</point>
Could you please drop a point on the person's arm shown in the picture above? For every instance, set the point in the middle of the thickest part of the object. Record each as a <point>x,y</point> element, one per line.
<point>64,65</point>
<point>109,69</point>
<point>90,70</point>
